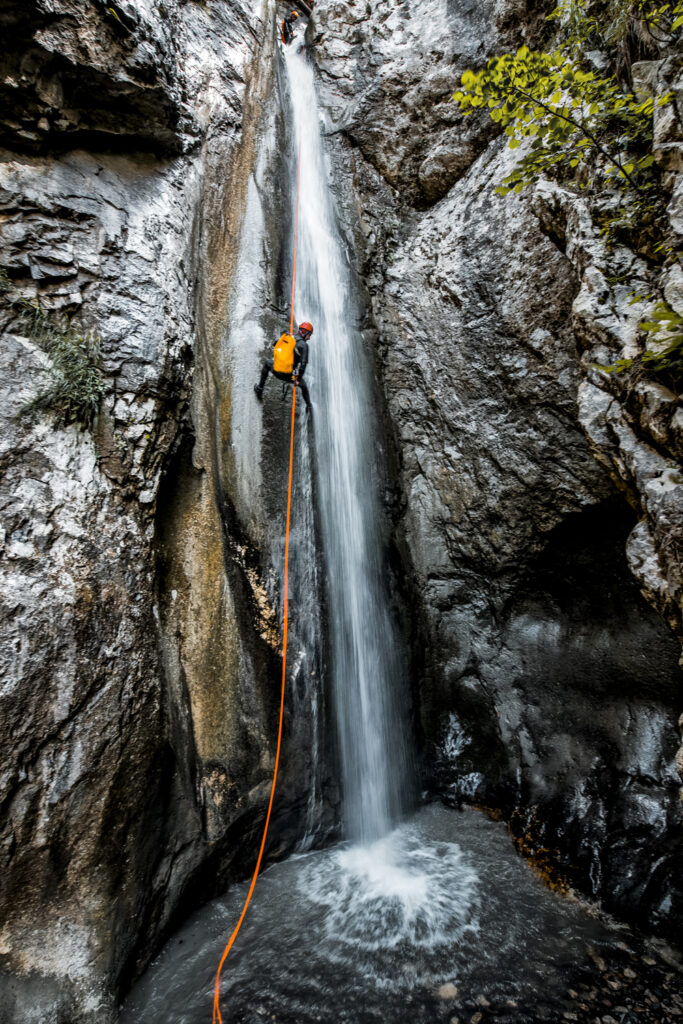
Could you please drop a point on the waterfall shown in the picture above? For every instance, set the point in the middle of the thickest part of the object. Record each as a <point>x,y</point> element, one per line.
<point>404,920</point>
<point>365,665</point>
<point>420,919</point>
<point>253,472</point>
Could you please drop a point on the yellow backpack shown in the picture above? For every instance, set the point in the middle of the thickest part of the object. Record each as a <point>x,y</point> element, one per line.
<point>283,356</point>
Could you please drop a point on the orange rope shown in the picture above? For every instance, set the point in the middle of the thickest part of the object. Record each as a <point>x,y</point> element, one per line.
<point>217,1018</point>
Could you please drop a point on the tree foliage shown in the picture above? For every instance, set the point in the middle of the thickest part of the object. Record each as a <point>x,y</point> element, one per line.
<point>569,117</point>
<point>570,122</point>
<point>573,116</point>
<point>664,355</point>
<point>617,26</point>
<point>666,327</point>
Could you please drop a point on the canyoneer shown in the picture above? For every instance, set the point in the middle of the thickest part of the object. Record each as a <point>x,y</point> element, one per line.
<point>289,362</point>
<point>288,26</point>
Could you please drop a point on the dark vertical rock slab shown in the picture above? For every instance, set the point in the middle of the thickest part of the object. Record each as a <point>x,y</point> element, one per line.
<point>564,716</point>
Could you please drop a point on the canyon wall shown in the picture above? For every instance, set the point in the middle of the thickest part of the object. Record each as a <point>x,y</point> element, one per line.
<point>538,506</point>
<point>145,185</point>
<point>140,605</point>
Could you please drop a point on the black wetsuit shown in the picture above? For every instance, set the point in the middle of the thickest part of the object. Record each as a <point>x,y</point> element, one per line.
<point>287,28</point>
<point>300,364</point>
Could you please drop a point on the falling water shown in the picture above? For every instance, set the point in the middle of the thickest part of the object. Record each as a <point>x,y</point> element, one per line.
<point>365,669</point>
<point>250,477</point>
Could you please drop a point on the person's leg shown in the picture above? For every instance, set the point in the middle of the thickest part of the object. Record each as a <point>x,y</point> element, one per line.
<point>304,392</point>
<point>265,370</point>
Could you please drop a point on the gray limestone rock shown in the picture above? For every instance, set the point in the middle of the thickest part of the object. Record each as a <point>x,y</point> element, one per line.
<point>140,634</point>
<point>547,686</point>
<point>390,73</point>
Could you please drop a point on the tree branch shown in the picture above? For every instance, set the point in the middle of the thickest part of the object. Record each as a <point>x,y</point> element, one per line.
<point>580,127</point>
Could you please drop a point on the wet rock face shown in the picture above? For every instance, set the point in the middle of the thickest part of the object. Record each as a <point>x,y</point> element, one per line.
<point>547,685</point>
<point>633,430</point>
<point>389,70</point>
<point>82,766</point>
<point>86,768</point>
<point>139,642</point>
<point>565,713</point>
<point>633,425</point>
<point>99,74</point>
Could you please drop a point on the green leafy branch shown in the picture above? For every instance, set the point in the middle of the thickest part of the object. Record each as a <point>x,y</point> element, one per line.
<point>608,24</point>
<point>665,328</point>
<point>665,18</point>
<point>566,115</point>
<point>591,132</point>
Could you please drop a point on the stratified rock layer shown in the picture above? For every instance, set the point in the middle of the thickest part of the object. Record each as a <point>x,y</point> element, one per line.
<point>140,652</point>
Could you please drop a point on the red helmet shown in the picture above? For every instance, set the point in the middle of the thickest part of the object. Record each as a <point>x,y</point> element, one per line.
<point>305,326</point>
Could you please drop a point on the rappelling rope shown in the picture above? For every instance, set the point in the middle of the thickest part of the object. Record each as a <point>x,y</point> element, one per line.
<point>217,1018</point>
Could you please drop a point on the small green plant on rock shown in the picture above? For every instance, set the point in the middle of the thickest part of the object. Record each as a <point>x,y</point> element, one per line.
<point>665,359</point>
<point>73,383</point>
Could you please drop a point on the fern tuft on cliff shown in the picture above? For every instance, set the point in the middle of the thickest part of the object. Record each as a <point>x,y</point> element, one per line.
<point>73,385</point>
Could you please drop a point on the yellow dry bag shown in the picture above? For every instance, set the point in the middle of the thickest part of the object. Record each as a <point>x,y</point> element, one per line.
<point>283,356</point>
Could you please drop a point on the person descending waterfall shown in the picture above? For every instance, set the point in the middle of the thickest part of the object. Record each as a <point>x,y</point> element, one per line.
<point>289,362</point>
<point>288,27</point>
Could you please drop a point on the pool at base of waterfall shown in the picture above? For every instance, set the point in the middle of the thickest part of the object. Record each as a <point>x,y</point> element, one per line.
<point>440,920</point>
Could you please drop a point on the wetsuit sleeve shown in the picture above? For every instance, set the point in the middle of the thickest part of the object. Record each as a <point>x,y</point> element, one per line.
<point>301,357</point>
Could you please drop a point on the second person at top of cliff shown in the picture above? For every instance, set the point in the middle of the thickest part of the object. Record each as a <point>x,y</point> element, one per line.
<point>288,26</point>
<point>289,362</point>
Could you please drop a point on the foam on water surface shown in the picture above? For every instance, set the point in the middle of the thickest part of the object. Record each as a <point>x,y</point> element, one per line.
<point>401,890</point>
<point>359,933</point>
